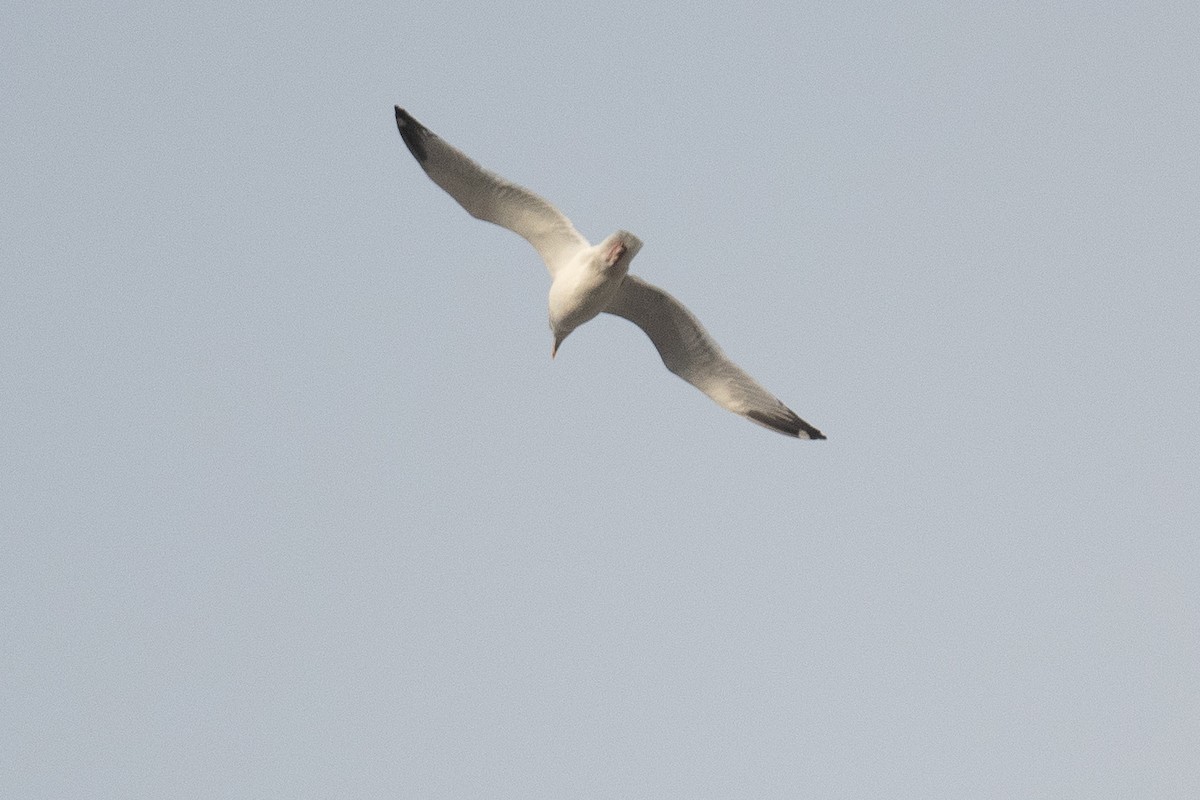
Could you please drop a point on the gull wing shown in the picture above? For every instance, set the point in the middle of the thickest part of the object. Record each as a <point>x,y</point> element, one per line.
<point>487,196</point>
<point>689,352</point>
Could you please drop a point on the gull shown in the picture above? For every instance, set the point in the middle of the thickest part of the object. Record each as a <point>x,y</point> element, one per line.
<point>587,279</point>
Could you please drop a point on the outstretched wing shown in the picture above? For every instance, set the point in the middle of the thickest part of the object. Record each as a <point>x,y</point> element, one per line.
<point>489,197</point>
<point>689,352</point>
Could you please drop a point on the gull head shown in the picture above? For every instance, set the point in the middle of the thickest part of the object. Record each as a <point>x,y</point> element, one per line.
<point>585,286</point>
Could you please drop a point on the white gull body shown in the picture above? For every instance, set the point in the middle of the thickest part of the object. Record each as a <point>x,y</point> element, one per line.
<point>587,279</point>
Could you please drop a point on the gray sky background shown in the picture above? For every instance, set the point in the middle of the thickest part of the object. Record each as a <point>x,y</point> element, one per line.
<point>294,503</point>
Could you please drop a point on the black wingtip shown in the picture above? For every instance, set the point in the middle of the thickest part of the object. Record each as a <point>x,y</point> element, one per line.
<point>412,132</point>
<point>788,424</point>
<point>812,432</point>
<point>801,429</point>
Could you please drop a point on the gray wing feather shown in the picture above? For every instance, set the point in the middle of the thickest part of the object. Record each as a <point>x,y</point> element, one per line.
<point>689,352</point>
<point>489,197</point>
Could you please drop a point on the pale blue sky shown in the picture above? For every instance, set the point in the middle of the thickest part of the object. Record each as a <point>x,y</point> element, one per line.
<point>294,503</point>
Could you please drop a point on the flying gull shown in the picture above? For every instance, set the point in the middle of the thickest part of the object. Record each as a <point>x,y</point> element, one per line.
<point>587,279</point>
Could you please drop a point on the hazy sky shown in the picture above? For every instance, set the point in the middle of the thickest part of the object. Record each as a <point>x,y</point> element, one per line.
<point>294,502</point>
